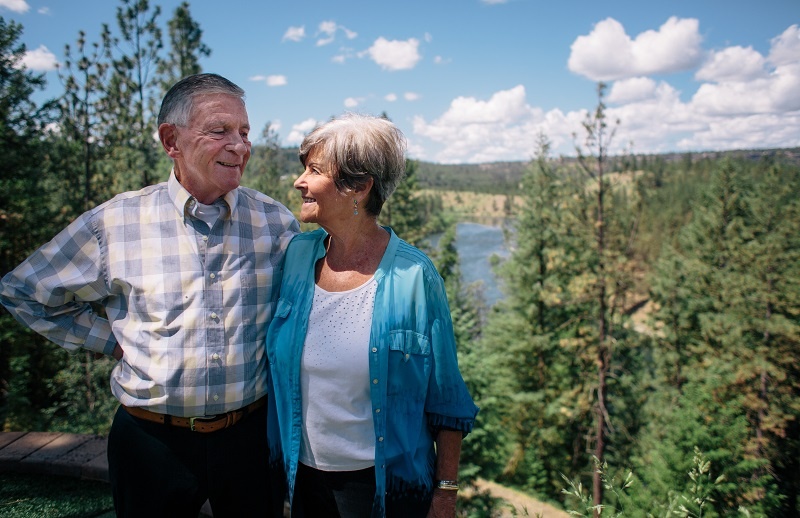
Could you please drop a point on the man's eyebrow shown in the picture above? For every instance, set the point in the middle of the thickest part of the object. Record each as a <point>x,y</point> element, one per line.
<point>224,124</point>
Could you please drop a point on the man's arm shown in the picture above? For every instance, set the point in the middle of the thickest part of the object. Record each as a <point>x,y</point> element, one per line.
<point>51,291</point>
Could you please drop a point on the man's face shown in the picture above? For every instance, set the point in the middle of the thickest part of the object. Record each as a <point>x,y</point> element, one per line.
<point>211,151</point>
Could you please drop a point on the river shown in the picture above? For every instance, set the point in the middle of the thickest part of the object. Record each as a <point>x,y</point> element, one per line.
<point>476,244</point>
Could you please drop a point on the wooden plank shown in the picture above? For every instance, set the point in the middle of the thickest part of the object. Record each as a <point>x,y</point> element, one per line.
<point>11,455</point>
<point>41,461</point>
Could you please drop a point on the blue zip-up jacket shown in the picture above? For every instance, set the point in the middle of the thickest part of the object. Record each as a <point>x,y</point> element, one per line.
<point>416,387</point>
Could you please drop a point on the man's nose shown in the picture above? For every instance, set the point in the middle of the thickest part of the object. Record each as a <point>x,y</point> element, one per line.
<point>239,145</point>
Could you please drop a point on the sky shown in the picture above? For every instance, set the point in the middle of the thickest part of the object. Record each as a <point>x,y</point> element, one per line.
<point>473,81</point>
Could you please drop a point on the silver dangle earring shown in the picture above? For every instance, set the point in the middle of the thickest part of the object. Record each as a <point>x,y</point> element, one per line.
<point>355,207</point>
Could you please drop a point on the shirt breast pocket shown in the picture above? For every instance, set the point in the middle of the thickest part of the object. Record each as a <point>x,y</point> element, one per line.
<point>409,364</point>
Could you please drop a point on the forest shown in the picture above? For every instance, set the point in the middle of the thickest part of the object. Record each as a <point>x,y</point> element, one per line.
<point>643,362</point>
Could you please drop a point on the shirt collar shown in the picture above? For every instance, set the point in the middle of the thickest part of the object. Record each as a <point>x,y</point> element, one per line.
<point>182,199</point>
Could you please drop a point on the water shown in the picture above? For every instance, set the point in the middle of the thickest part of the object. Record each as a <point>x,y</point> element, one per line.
<point>476,244</point>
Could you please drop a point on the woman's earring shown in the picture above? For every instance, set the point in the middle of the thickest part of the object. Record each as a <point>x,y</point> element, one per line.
<point>355,207</point>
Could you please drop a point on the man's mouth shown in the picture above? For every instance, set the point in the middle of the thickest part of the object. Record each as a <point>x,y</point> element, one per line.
<point>228,164</point>
<point>309,200</point>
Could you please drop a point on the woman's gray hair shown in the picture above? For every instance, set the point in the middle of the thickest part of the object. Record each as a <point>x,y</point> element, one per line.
<point>359,147</point>
<point>176,108</point>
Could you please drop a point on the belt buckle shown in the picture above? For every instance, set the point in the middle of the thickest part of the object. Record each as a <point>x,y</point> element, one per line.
<point>203,418</point>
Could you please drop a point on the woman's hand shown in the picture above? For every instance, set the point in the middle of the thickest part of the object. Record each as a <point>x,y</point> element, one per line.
<point>443,504</point>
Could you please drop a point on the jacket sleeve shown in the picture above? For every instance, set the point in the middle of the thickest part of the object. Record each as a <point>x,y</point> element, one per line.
<point>449,404</point>
<point>52,290</point>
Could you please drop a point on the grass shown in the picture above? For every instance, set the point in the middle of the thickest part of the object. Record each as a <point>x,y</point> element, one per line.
<point>40,496</point>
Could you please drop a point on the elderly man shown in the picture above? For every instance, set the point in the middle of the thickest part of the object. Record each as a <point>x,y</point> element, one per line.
<point>188,272</point>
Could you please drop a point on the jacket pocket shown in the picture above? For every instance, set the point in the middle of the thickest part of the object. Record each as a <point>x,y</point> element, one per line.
<point>409,364</point>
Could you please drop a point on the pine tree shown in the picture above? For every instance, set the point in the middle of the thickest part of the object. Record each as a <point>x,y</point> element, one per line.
<point>403,210</point>
<point>264,170</point>
<point>133,94</point>
<point>186,48</point>
<point>82,142</point>
<point>727,296</point>
<point>25,223</point>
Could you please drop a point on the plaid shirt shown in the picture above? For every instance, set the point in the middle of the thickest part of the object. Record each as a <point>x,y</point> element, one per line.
<point>188,305</point>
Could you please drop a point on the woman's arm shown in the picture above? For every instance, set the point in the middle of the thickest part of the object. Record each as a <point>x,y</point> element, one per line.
<point>448,451</point>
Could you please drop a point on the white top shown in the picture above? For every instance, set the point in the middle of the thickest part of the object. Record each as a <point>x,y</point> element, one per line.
<point>338,432</point>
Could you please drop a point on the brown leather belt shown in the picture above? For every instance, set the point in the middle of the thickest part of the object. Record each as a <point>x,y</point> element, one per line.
<point>198,424</point>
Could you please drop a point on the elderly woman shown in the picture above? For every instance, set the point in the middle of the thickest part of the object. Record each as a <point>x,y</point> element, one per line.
<point>361,349</point>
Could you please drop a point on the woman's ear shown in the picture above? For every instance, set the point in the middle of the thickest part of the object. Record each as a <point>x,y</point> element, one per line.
<point>364,189</point>
<point>168,134</point>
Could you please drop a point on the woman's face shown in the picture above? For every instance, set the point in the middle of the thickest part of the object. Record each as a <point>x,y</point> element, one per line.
<point>323,203</point>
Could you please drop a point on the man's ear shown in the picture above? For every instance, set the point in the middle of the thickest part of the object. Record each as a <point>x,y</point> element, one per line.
<point>168,134</point>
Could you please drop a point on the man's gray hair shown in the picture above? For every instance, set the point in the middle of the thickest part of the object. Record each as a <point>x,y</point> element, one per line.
<point>178,101</point>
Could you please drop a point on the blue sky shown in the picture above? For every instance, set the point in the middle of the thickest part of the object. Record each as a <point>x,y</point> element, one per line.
<point>477,80</point>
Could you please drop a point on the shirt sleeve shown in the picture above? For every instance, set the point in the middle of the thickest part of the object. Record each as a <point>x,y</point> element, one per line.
<point>52,290</point>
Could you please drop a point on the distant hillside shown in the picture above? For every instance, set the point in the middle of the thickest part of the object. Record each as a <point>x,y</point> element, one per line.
<point>504,177</point>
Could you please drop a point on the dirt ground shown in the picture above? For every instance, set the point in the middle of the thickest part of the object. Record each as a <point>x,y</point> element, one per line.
<point>520,504</point>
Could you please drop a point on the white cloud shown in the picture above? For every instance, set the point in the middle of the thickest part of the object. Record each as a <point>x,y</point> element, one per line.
<point>328,31</point>
<point>294,34</point>
<point>653,119</point>
<point>271,80</point>
<point>40,60</point>
<point>276,80</point>
<point>411,96</point>
<point>472,130</point>
<point>18,6</point>
<point>344,54</point>
<point>608,53</point>
<point>630,90</point>
<point>395,54</point>
<point>744,100</point>
<point>299,131</point>
<point>786,47</point>
<point>352,102</point>
<point>391,97</point>
<point>732,64</point>
<point>43,10</point>
<point>775,93</point>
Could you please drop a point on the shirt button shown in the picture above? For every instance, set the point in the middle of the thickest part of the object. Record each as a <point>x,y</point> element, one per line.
<point>205,238</point>
<point>213,275</point>
<point>407,356</point>
<point>380,439</point>
<point>215,356</point>
<point>213,315</point>
<point>374,349</point>
<point>377,410</point>
<point>375,381</point>
<point>216,397</point>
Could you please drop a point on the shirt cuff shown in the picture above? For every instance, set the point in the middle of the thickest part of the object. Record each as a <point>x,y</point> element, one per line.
<point>101,339</point>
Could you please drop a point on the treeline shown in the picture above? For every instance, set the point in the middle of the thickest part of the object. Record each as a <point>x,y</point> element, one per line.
<point>504,177</point>
<point>646,358</point>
